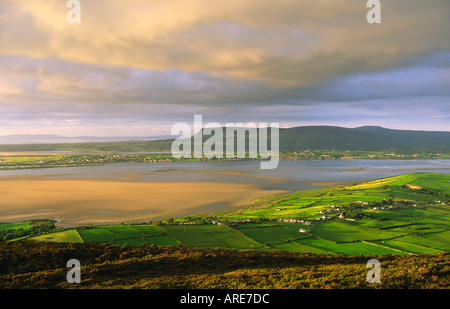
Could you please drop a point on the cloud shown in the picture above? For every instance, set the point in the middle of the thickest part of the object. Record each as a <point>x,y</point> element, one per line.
<point>55,80</point>
<point>298,61</point>
<point>282,42</point>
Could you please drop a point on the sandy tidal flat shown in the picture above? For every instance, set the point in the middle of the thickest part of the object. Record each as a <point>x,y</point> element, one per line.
<point>78,202</point>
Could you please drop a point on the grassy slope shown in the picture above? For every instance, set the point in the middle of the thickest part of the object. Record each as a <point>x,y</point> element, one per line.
<point>69,236</point>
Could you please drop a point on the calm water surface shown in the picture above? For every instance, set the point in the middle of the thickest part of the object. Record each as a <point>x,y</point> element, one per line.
<point>289,175</point>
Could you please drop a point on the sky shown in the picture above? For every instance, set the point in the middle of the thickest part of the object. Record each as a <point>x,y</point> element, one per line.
<point>137,67</point>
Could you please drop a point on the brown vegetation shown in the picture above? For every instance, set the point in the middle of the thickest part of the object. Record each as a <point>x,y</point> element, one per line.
<point>43,265</point>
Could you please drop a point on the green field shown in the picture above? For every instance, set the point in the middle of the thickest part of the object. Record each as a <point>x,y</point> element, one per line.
<point>19,230</point>
<point>24,225</point>
<point>13,226</point>
<point>342,232</point>
<point>116,234</point>
<point>406,246</point>
<point>211,236</point>
<point>71,236</point>
<point>128,234</point>
<point>353,248</point>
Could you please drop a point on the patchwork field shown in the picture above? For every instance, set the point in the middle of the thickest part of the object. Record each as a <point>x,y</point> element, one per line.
<point>408,214</point>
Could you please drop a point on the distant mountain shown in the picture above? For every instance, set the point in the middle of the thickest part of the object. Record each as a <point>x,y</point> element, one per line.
<point>291,139</point>
<point>362,138</point>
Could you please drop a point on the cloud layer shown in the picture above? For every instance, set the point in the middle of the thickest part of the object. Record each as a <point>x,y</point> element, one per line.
<point>155,62</point>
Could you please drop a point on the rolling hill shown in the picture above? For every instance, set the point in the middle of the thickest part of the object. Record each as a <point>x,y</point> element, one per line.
<point>291,139</point>
<point>362,138</point>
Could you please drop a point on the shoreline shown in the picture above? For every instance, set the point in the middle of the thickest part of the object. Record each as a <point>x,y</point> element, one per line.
<point>93,196</point>
<point>31,166</point>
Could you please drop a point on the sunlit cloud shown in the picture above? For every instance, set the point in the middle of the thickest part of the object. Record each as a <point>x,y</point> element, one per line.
<point>143,64</point>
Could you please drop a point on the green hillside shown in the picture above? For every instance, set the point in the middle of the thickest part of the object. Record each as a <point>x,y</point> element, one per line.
<point>363,138</point>
<point>352,139</point>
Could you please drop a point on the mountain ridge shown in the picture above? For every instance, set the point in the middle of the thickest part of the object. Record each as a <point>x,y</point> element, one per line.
<point>291,139</point>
